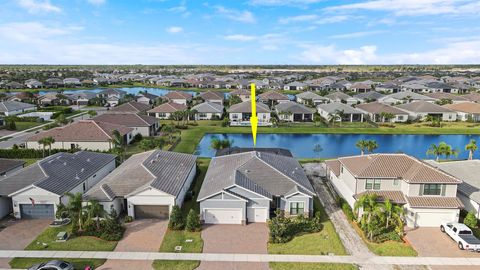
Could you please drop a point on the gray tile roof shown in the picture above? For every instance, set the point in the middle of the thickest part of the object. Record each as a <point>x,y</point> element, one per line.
<point>58,173</point>
<point>9,164</point>
<point>246,107</point>
<point>372,95</point>
<point>292,107</point>
<point>337,106</point>
<point>424,107</point>
<point>162,170</point>
<point>208,107</point>
<point>310,95</point>
<point>7,106</point>
<point>260,172</point>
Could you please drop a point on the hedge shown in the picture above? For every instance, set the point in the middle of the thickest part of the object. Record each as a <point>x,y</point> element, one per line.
<point>29,153</point>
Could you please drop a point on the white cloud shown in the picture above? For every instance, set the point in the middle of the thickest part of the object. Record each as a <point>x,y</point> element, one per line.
<point>240,37</point>
<point>320,54</point>
<point>97,2</point>
<point>24,32</point>
<point>283,2</point>
<point>174,29</point>
<point>415,7</point>
<point>357,34</point>
<point>332,19</point>
<point>314,19</point>
<point>182,9</point>
<point>40,6</point>
<point>299,18</point>
<point>236,15</point>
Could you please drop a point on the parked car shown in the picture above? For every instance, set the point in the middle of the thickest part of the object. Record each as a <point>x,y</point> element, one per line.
<point>462,235</point>
<point>53,265</point>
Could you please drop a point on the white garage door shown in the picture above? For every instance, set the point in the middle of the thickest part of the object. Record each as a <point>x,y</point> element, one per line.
<point>257,214</point>
<point>223,216</point>
<point>434,219</point>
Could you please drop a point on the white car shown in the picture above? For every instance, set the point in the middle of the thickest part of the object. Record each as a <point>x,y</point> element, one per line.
<point>462,235</point>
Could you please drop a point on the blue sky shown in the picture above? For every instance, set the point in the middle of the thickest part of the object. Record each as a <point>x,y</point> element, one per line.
<point>239,32</point>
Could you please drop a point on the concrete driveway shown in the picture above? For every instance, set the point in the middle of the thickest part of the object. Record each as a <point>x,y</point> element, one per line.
<point>144,235</point>
<point>20,233</point>
<point>432,242</point>
<point>252,238</point>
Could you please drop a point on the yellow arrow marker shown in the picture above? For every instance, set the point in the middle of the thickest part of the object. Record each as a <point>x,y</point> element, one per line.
<point>253,118</point>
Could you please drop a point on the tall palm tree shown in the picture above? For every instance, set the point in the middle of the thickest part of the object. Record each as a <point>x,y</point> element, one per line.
<point>393,211</point>
<point>94,210</point>
<point>436,150</point>
<point>450,151</point>
<point>118,144</point>
<point>371,145</point>
<point>74,208</point>
<point>46,141</point>
<point>169,129</point>
<point>471,147</point>
<point>362,145</point>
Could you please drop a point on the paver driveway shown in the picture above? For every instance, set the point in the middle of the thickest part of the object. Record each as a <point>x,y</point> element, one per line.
<point>252,238</point>
<point>432,242</point>
<point>19,233</point>
<point>144,235</point>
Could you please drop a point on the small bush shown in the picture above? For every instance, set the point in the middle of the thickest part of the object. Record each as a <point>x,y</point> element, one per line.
<point>348,211</point>
<point>128,219</point>
<point>176,219</point>
<point>470,220</point>
<point>193,222</point>
<point>284,229</point>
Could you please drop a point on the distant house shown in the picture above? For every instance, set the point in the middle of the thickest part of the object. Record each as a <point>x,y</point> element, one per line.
<point>35,191</point>
<point>246,188</point>
<point>361,87</point>
<point>54,82</point>
<point>342,97</point>
<point>244,95</point>
<point>422,109</point>
<point>82,98</point>
<point>294,112</point>
<point>466,111</point>
<point>147,185</point>
<point>368,96</point>
<point>165,110</point>
<point>13,85</point>
<point>213,97</point>
<point>85,134</point>
<point>404,97</point>
<point>112,93</point>
<point>179,97</point>
<point>342,112</point>
<point>377,112</point>
<point>55,99</point>
<point>239,114</point>
<point>141,124</point>
<point>9,166</point>
<point>146,98</point>
<point>446,96</point>
<point>33,84</point>
<point>131,107</point>
<point>310,98</point>
<point>272,98</point>
<point>388,87</point>
<point>112,101</point>
<point>295,86</point>
<point>9,108</point>
<point>71,82</point>
<point>208,111</point>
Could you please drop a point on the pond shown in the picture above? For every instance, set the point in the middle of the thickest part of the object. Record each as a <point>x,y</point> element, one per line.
<point>336,145</point>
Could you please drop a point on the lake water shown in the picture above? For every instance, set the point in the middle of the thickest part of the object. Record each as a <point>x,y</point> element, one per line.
<point>336,145</point>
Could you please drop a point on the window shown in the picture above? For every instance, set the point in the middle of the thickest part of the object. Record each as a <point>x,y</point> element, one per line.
<point>202,115</point>
<point>432,189</point>
<point>341,169</point>
<point>372,184</point>
<point>84,186</point>
<point>162,115</point>
<point>296,208</point>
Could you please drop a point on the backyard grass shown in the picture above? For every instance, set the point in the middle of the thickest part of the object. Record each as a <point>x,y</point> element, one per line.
<point>311,266</point>
<point>178,238</point>
<point>79,264</point>
<point>21,126</point>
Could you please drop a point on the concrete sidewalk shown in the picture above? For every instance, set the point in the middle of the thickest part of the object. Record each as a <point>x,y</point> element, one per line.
<point>222,257</point>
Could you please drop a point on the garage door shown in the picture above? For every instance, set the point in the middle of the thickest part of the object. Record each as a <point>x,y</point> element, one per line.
<point>37,211</point>
<point>434,219</point>
<point>151,211</point>
<point>257,214</point>
<point>223,216</point>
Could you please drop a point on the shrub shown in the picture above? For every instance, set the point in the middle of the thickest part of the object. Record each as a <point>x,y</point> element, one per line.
<point>110,229</point>
<point>176,219</point>
<point>11,125</point>
<point>470,220</point>
<point>128,219</point>
<point>193,222</point>
<point>137,138</point>
<point>283,229</point>
<point>347,210</point>
<point>225,122</point>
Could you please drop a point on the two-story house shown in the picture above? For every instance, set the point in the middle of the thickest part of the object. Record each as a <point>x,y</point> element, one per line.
<point>428,195</point>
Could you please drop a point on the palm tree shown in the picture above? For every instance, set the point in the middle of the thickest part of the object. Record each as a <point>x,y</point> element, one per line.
<point>436,150</point>
<point>95,211</point>
<point>393,211</point>
<point>317,119</point>
<point>471,147</point>
<point>371,209</point>
<point>46,141</point>
<point>169,129</point>
<point>118,144</point>
<point>74,208</point>
<point>449,151</point>
<point>362,145</point>
<point>371,146</point>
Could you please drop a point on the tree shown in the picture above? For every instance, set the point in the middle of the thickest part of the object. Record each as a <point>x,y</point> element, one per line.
<point>317,148</point>
<point>470,220</point>
<point>92,113</point>
<point>372,214</point>
<point>61,120</point>
<point>371,146</point>
<point>273,120</point>
<point>147,144</point>
<point>118,144</point>
<point>46,141</point>
<point>176,219</point>
<point>178,116</point>
<point>435,150</point>
<point>169,129</point>
<point>74,209</point>
<point>362,145</point>
<point>95,210</point>
<point>218,144</point>
<point>317,119</point>
<point>471,147</point>
<point>193,221</point>
<point>234,99</point>
<point>393,211</point>
<point>386,117</point>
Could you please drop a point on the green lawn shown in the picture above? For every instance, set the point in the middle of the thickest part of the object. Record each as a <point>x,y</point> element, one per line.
<point>79,264</point>
<point>30,161</point>
<point>178,238</point>
<point>26,125</point>
<point>311,266</point>
<point>321,243</point>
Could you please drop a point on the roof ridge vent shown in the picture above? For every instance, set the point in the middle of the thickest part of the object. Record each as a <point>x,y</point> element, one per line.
<point>76,176</point>
<point>65,163</point>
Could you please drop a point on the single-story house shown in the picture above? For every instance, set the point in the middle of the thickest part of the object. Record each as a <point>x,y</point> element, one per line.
<point>71,81</point>
<point>165,110</point>
<point>422,109</point>
<point>428,195</point>
<point>368,96</point>
<point>361,87</point>
<point>342,97</point>
<point>147,185</point>
<point>109,93</point>
<point>248,187</point>
<point>146,98</point>
<point>404,97</point>
<point>377,112</point>
<point>272,97</point>
<point>55,99</point>
<point>243,94</point>
<point>131,107</point>
<point>212,97</point>
<point>84,134</point>
<point>9,166</point>
<point>179,97</point>
<point>239,114</point>
<point>9,108</point>
<point>141,124</point>
<point>310,98</point>
<point>466,111</point>
<point>82,98</point>
<point>112,101</point>
<point>36,190</point>
<point>295,86</point>
<point>469,190</point>
<point>473,97</point>
<point>447,96</point>
<point>208,111</point>
<point>342,112</point>
<point>294,112</point>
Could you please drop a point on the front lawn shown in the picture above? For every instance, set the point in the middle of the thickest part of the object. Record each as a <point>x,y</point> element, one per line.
<point>311,266</point>
<point>79,264</point>
<point>21,126</point>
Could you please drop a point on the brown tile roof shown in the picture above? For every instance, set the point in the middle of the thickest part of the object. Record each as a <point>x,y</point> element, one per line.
<point>239,92</point>
<point>442,95</point>
<point>272,95</point>
<point>475,97</point>
<point>168,108</point>
<point>131,107</point>
<point>399,166</point>
<point>127,119</point>
<point>467,107</point>
<point>83,131</point>
<point>378,108</point>
<point>246,107</point>
<point>209,95</point>
<point>434,202</point>
<point>424,106</point>
<point>395,196</point>
<point>178,95</point>
<point>334,165</point>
